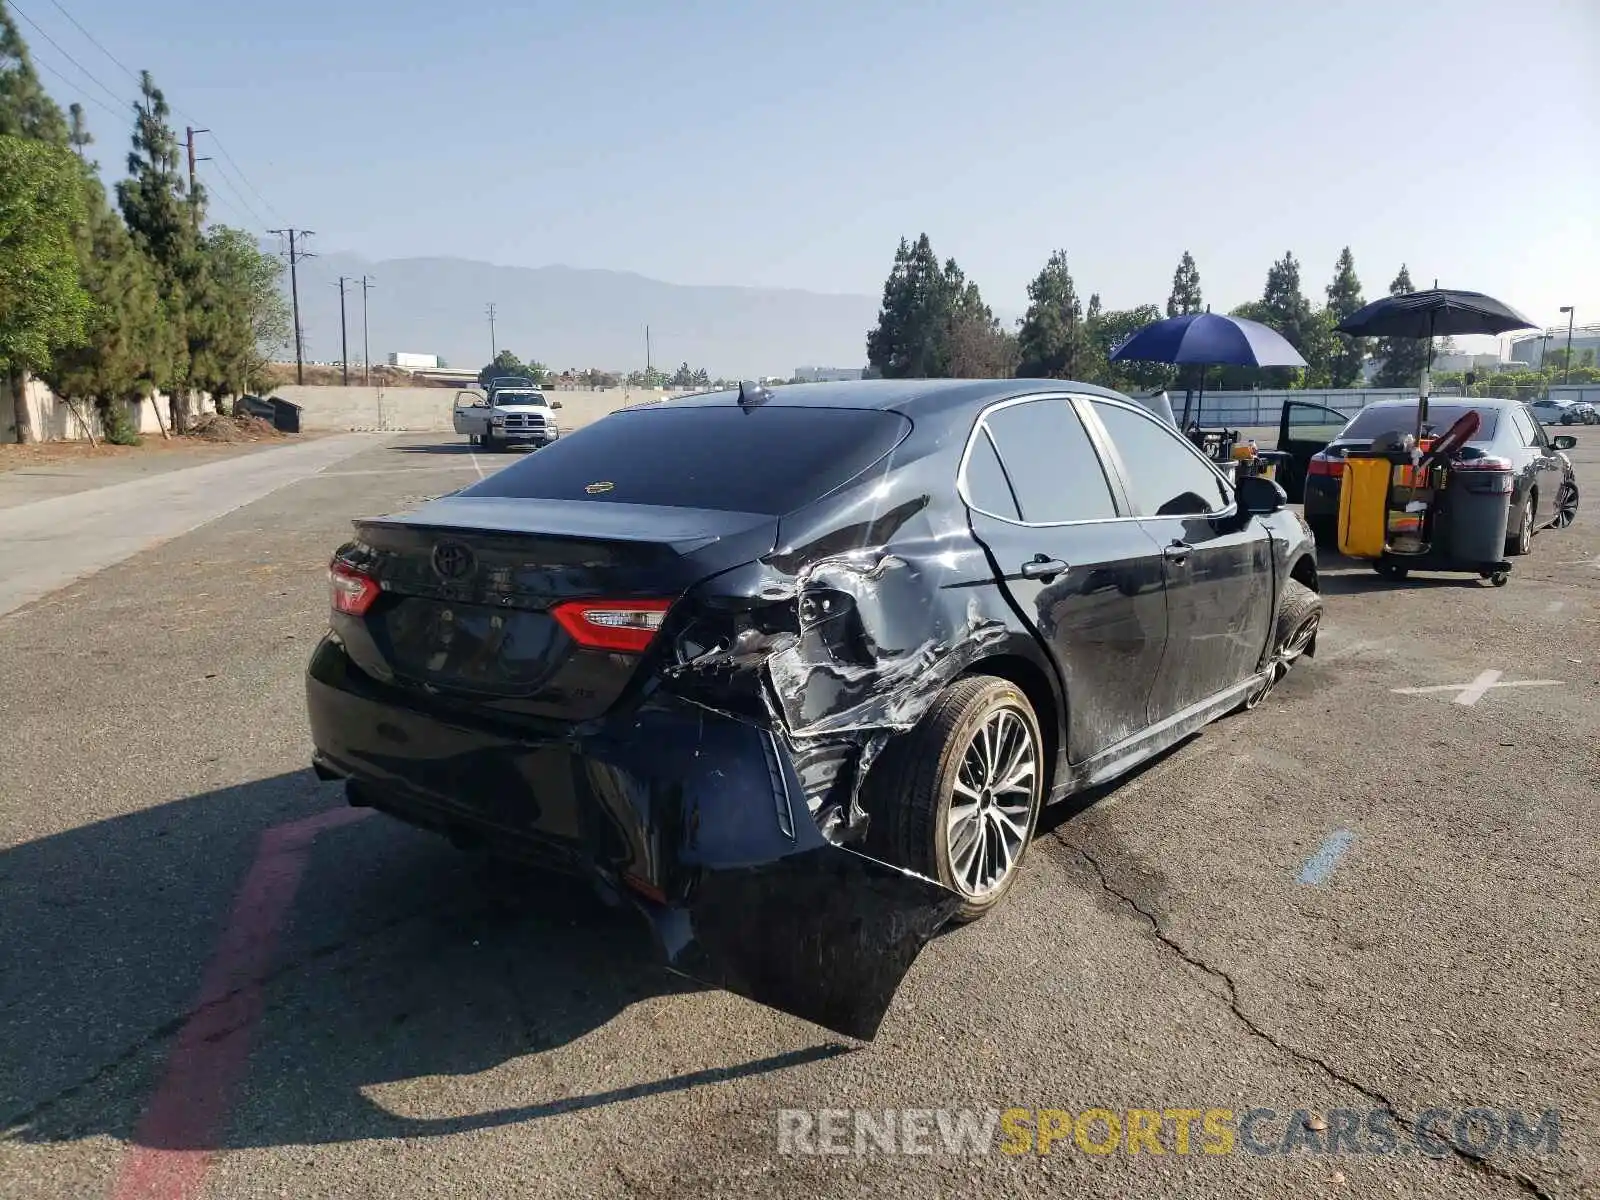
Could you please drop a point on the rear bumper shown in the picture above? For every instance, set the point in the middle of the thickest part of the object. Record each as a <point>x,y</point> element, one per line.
<point>1322,497</point>
<point>696,818</point>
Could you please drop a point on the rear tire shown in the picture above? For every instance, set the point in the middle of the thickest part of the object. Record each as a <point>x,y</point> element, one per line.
<point>958,797</point>
<point>1520,539</point>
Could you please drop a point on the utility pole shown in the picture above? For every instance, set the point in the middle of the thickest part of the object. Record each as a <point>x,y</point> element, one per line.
<point>189,133</point>
<point>344,341</point>
<point>647,356</point>
<point>295,255</point>
<point>494,348</point>
<point>366,353</point>
<point>1566,370</point>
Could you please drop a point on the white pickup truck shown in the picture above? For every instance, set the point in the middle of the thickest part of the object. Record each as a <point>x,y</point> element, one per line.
<point>506,417</point>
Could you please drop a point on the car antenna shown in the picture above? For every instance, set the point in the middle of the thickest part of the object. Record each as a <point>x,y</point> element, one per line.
<point>751,394</point>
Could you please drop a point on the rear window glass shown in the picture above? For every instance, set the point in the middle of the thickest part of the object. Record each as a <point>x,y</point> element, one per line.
<point>1370,422</point>
<point>767,459</point>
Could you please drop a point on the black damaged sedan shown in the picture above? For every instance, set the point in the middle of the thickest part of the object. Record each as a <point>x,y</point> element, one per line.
<point>794,671</point>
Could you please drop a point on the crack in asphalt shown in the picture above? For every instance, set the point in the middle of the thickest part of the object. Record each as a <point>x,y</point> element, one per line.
<point>1478,1162</point>
<point>10,1126</point>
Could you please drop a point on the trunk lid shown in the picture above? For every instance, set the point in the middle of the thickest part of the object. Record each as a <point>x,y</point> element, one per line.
<point>470,586</point>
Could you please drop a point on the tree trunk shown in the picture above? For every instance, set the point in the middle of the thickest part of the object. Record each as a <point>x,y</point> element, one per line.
<point>178,411</point>
<point>18,383</point>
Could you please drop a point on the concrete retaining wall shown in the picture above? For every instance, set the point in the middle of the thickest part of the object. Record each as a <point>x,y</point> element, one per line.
<point>53,420</point>
<point>429,409</point>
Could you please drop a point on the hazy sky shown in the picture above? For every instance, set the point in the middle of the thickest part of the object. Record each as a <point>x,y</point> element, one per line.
<point>708,141</point>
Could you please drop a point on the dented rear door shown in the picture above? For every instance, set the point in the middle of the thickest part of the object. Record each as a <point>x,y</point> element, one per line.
<point>1086,579</point>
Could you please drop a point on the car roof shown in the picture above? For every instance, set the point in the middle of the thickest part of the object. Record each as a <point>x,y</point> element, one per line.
<point>909,397</point>
<point>1484,402</point>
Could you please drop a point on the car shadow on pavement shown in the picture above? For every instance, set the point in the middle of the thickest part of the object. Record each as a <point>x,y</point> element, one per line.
<point>406,975</point>
<point>456,447</point>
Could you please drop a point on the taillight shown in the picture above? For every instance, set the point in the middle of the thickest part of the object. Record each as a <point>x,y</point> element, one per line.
<point>1497,470</point>
<point>353,592</point>
<point>628,626</point>
<point>1322,464</point>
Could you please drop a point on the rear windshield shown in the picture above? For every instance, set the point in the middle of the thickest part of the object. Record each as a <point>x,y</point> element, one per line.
<point>1370,422</point>
<point>768,459</point>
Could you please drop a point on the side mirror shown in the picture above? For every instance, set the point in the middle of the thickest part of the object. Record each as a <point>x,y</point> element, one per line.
<point>1564,441</point>
<point>1261,497</point>
<point>555,404</point>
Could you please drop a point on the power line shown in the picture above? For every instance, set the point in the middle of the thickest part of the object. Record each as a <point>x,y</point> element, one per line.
<point>243,178</point>
<point>126,70</point>
<point>131,75</point>
<point>90,74</point>
<point>234,192</point>
<point>100,104</point>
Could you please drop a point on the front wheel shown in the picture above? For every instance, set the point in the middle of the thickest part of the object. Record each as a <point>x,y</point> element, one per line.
<point>1566,506</point>
<point>957,798</point>
<point>1299,618</point>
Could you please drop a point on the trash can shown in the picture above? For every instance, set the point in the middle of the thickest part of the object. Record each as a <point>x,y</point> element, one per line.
<point>1478,500</point>
<point>285,415</point>
<point>1364,505</point>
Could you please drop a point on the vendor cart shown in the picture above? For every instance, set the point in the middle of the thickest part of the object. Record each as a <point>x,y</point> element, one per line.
<point>1417,507</point>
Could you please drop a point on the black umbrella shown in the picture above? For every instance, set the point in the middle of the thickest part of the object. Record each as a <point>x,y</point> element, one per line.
<point>1437,312</point>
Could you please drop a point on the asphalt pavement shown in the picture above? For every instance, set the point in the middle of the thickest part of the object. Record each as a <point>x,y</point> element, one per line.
<point>1374,895</point>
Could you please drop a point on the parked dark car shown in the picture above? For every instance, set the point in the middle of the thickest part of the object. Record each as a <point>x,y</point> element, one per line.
<point>794,671</point>
<point>1544,491</point>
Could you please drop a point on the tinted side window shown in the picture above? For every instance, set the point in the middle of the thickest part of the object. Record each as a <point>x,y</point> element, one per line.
<point>1523,424</point>
<point>987,486</point>
<point>1053,467</point>
<point>1165,477</point>
<point>1535,429</point>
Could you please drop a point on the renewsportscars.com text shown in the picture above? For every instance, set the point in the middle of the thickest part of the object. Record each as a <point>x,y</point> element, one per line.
<point>1437,1132</point>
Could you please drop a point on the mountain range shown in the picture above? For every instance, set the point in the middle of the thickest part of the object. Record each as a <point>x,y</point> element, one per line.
<point>574,317</point>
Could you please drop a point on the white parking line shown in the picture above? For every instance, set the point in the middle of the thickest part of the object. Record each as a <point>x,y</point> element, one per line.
<point>1556,606</point>
<point>476,466</point>
<point>1471,693</point>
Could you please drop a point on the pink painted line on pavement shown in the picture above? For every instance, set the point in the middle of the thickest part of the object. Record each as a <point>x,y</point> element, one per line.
<point>178,1131</point>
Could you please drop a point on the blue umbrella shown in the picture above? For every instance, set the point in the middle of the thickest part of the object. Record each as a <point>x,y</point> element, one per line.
<point>1206,338</point>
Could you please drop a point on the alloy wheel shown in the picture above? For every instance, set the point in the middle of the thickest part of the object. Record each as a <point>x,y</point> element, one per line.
<point>992,803</point>
<point>1566,507</point>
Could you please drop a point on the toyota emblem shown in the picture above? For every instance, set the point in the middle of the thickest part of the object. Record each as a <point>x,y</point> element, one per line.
<point>452,560</point>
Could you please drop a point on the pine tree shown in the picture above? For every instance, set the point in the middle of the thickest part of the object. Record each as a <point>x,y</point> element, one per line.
<point>26,111</point>
<point>1403,358</point>
<point>1052,340</point>
<point>907,342</point>
<point>1289,312</point>
<point>164,224</point>
<point>1185,298</point>
<point>1344,298</point>
<point>78,131</point>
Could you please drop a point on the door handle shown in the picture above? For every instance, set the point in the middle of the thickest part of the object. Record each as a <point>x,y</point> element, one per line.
<point>1178,552</point>
<point>1044,568</point>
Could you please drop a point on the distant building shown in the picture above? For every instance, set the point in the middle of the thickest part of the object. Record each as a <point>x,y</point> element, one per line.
<point>826,374</point>
<point>414,362</point>
<point>1531,348</point>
